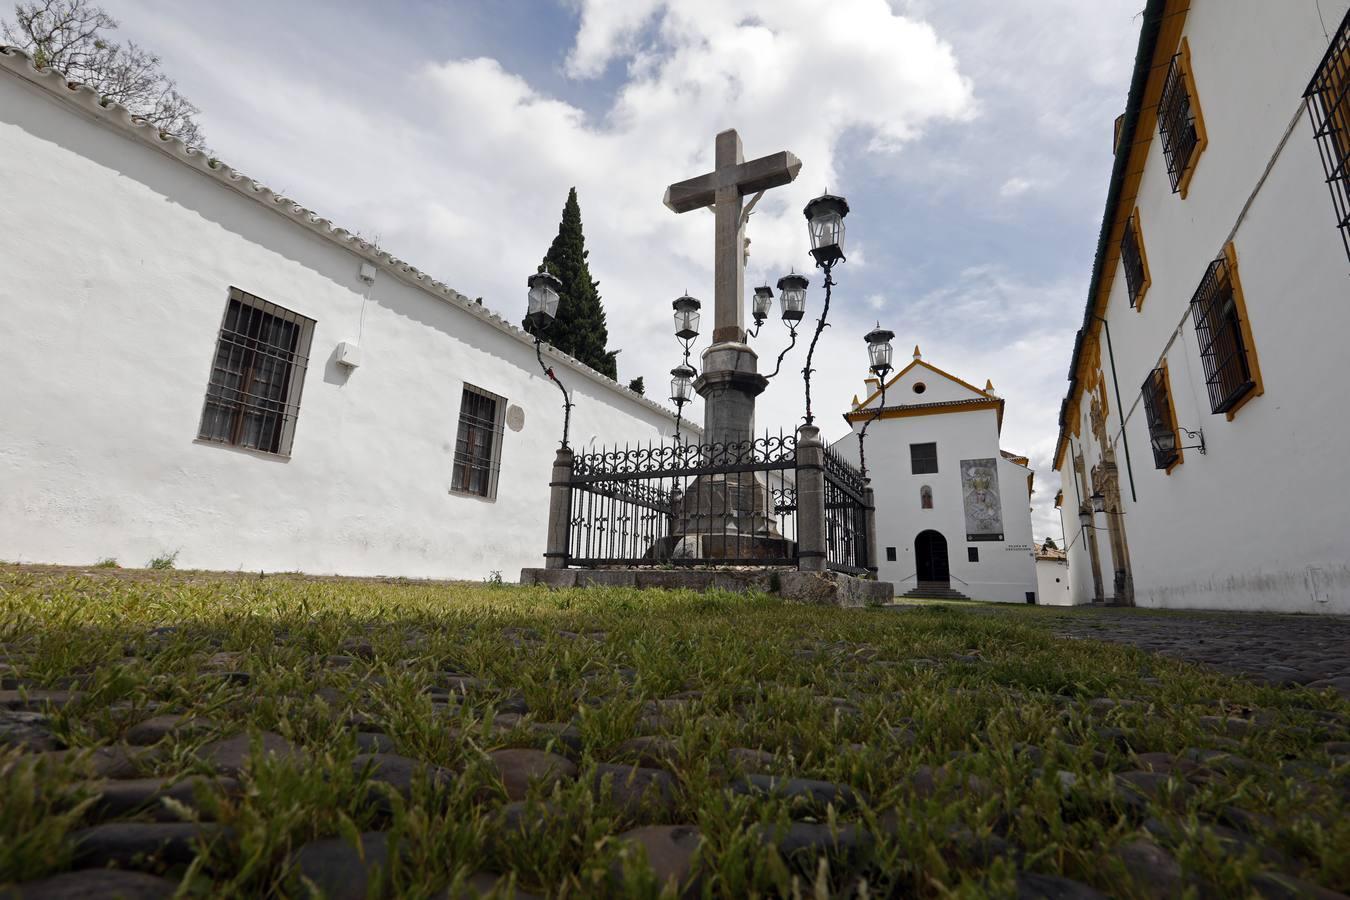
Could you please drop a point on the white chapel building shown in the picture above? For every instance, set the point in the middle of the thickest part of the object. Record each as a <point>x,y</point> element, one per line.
<point>953,510</point>
<point>194,365</point>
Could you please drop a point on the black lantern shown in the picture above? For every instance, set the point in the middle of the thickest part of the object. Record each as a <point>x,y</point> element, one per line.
<point>1085,517</point>
<point>762,303</point>
<point>1098,502</point>
<point>681,384</point>
<point>792,296</point>
<point>542,310</point>
<point>825,220</point>
<point>879,350</point>
<point>1164,440</point>
<point>543,303</point>
<point>686,317</point>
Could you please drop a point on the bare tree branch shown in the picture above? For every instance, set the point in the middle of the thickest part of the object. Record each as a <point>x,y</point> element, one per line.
<point>69,36</point>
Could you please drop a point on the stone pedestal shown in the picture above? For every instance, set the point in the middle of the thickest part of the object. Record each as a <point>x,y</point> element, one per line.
<point>729,385</point>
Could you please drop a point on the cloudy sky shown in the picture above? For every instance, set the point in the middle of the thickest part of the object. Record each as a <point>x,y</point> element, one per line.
<point>971,137</point>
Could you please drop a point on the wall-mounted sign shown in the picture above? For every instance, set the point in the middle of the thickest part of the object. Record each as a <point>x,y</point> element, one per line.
<point>979,495</point>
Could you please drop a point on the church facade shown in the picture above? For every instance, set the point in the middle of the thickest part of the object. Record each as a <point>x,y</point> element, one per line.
<point>1202,439</point>
<point>953,510</point>
<point>197,368</point>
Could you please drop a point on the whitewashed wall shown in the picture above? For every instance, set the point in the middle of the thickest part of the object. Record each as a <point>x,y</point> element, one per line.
<point>1006,570</point>
<point>117,259</point>
<point>1261,522</point>
<point>1053,587</point>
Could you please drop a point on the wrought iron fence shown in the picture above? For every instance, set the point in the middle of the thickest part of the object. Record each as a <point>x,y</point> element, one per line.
<point>685,505</point>
<point>846,509</point>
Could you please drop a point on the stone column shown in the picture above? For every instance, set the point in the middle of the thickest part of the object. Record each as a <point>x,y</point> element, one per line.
<point>559,511</point>
<point>871,523</point>
<point>810,500</point>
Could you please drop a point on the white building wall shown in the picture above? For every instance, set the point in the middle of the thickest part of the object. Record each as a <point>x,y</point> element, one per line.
<point>1053,587</point>
<point>118,260</point>
<point>1257,523</point>
<point>1006,570</point>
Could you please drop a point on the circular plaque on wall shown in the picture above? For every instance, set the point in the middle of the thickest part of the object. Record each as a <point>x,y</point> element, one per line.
<point>515,417</point>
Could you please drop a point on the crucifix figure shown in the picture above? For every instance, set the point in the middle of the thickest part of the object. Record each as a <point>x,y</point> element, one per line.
<point>730,380</point>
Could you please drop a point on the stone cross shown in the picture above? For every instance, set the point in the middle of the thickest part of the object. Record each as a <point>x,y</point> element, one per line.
<point>723,189</point>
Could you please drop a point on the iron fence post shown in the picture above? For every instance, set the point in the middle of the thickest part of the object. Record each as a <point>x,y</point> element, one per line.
<point>870,538</point>
<point>811,550</point>
<point>559,510</point>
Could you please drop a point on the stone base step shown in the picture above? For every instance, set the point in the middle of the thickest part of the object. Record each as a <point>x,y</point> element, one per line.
<point>934,590</point>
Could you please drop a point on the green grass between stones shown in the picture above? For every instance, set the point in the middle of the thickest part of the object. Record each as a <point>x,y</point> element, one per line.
<point>856,697</point>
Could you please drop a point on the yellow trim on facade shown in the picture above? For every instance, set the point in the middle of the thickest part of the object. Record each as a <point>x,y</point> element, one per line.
<point>1143,261</point>
<point>1201,136</point>
<point>1253,363</point>
<point>1168,44</point>
<point>905,412</point>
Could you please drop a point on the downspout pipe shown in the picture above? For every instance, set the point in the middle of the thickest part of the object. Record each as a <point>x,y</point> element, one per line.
<point>1120,410</point>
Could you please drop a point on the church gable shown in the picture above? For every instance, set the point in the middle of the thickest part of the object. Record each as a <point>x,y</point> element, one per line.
<point>921,383</point>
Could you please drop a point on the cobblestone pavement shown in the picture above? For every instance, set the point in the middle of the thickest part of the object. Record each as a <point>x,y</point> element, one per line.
<point>1277,649</point>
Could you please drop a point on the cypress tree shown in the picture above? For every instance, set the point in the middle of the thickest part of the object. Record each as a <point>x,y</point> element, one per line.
<point>580,327</point>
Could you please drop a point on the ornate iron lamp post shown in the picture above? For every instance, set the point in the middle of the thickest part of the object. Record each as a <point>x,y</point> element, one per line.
<point>541,312</point>
<point>792,303</point>
<point>879,357</point>
<point>681,391</point>
<point>682,376</point>
<point>825,222</point>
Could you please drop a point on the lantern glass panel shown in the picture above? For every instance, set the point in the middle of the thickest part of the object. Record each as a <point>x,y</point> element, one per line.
<point>1098,502</point>
<point>1085,518</point>
<point>881,356</point>
<point>543,299</point>
<point>679,389</point>
<point>827,229</point>
<point>1164,440</point>
<point>686,324</point>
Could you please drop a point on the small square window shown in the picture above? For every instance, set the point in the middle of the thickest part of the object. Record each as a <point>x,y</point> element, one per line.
<point>923,459</point>
<point>253,396</point>
<point>973,554</point>
<point>478,445</point>
<point>890,554</point>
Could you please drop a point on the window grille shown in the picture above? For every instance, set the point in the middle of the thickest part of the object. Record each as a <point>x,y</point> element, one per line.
<point>1159,415</point>
<point>1176,124</point>
<point>972,554</point>
<point>478,444</point>
<point>253,396</point>
<point>923,459</point>
<point>1218,330</point>
<point>1133,260</point>
<point>1328,100</point>
<point>890,554</point>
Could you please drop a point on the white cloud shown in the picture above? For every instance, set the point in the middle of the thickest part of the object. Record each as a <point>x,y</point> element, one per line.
<point>1015,187</point>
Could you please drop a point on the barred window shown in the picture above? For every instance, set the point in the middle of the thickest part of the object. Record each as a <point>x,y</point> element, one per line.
<point>1218,330</point>
<point>923,459</point>
<point>478,446</point>
<point>1328,99</point>
<point>1161,419</point>
<point>253,396</point>
<point>1177,123</point>
<point>1132,258</point>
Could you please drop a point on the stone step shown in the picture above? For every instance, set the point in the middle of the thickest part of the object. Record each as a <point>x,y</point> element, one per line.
<point>934,591</point>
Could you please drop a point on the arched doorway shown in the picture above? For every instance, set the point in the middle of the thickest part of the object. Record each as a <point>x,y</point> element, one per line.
<point>930,555</point>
